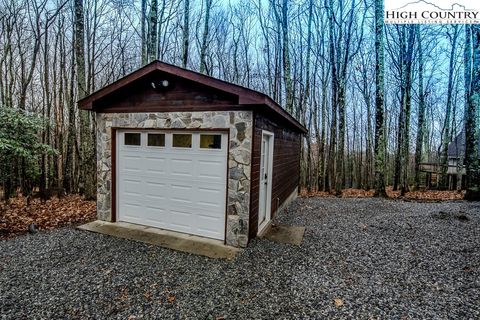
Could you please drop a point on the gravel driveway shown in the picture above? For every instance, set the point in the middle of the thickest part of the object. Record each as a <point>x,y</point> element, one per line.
<point>380,258</point>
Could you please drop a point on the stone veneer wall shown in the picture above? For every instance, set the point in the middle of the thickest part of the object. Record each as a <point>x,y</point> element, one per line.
<point>239,167</point>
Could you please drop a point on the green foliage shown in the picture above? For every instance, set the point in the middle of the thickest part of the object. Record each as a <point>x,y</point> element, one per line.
<point>20,145</point>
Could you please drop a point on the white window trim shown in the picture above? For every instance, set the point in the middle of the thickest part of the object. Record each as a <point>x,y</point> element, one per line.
<point>192,140</point>
<point>210,134</point>
<point>132,145</point>
<point>156,147</point>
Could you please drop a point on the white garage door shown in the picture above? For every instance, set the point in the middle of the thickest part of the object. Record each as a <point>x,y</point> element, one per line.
<point>173,180</point>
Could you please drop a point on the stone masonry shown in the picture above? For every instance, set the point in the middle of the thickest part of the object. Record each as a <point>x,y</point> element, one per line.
<point>240,147</point>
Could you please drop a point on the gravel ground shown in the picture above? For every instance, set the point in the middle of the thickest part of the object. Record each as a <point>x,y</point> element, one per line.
<point>381,258</point>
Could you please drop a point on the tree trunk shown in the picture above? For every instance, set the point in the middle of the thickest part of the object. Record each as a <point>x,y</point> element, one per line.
<point>380,140</point>
<point>397,175</point>
<point>87,154</point>
<point>186,35</point>
<point>286,59</point>
<point>206,30</point>
<point>69,180</point>
<point>448,111</point>
<point>421,112</point>
<point>144,32</point>
<point>342,92</point>
<point>152,32</point>
<point>472,123</point>
<point>407,103</point>
<point>331,167</point>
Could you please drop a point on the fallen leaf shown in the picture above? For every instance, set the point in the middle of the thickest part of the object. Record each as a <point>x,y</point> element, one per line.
<point>338,302</point>
<point>171,298</point>
<point>53,213</point>
<point>148,295</point>
<point>423,195</point>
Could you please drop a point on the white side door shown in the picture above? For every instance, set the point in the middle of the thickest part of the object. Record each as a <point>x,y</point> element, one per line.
<point>265,188</point>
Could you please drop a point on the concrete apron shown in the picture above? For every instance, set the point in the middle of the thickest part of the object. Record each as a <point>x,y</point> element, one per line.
<point>164,238</point>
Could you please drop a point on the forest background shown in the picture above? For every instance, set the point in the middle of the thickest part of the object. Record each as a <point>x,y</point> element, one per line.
<point>378,100</point>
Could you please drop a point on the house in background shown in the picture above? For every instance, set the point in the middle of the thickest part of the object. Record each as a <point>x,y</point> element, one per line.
<point>185,152</point>
<point>455,170</point>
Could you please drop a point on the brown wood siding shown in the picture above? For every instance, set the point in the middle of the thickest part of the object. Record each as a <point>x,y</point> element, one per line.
<point>286,166</point>
<point>181,95</point>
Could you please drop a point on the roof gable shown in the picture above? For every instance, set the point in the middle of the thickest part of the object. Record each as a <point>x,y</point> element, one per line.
<point>158,91</point>
<point>456,148</point>
<point>228,91</point>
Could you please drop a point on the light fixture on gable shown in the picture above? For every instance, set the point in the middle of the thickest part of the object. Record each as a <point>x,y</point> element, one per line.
<point>160,85</point>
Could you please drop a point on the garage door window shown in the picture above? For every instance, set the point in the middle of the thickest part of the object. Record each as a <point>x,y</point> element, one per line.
<point>156,140</point>
<point>210,141</point>
<point>132,139</point>
<point>182,140</point>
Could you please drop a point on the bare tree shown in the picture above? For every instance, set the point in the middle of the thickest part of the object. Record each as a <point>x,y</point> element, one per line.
<point>186,35</point>
<point>447,130</point>
<point>471,118</point>
<point>206,30</point>
<point>379,102</point>
<point>86,139</point>
<point>420,112</point>
<point>152,32</point>
<point>143,19</point>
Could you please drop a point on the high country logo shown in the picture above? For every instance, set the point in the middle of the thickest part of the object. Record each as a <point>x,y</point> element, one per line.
<point>440,12</point>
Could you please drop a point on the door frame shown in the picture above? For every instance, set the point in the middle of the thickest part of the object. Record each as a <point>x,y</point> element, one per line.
<point>268,197</point>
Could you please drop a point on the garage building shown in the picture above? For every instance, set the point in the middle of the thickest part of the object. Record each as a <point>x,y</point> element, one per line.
<point>182,151</point>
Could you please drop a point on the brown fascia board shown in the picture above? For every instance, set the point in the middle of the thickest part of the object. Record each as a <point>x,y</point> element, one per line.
<point>245,96</point>
<point>87,102</point>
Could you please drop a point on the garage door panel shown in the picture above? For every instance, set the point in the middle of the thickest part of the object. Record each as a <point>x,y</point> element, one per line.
<point>207,206</point>
<point>156,190</point>
<point>173,188</point>
<point>156,165</point>
<point>132,187</point>
<point>132,172</point>
<point>203,206</point>
<point>162,210</point>
<point>155,198</point>
<point>212,190</point>
<point>181,167</point>
<point>157,173</point>
<point>181,191</point>
<point>157,217</point>
<point>209,226</point>
<point>181,203</point>
<point>211,169</point>
<point>131,210</point>
<point>131,163</point>
<point>181,220</point>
